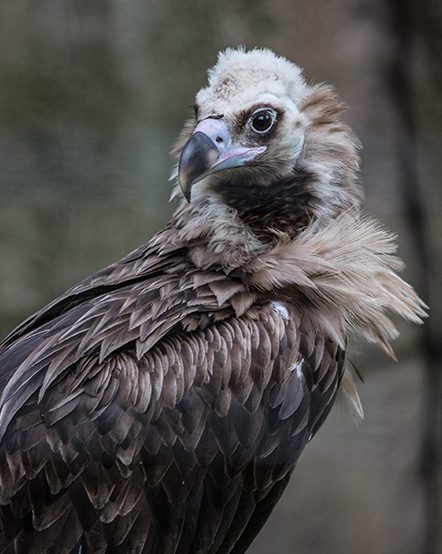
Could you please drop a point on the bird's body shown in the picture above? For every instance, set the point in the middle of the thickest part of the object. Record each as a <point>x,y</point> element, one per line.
<point>160,406</point>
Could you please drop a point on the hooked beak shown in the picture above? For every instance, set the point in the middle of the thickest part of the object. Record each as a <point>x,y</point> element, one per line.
<point>210,149</point>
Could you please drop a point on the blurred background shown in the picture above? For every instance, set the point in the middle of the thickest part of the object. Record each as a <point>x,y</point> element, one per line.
<point>93,94</point>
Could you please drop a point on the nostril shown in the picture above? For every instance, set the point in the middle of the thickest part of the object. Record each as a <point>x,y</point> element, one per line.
<point>219,139</point>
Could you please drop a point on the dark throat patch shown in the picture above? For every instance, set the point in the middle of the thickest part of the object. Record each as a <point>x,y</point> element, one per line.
<point>283,204</point>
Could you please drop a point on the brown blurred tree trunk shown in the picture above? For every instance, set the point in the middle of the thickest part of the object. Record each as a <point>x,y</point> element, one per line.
<point>415,78</point>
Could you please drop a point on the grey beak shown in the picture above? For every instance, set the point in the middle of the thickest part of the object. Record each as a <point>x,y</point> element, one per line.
<point>209,150</point>
<point>198,156</point>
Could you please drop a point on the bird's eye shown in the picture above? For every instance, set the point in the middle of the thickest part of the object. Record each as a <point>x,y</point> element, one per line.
<point>262,121</point>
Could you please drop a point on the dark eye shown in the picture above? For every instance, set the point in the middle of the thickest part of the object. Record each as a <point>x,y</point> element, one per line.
<point>262,121</point>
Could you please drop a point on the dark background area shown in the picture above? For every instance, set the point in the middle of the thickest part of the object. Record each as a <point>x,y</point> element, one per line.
<point>93,94</point>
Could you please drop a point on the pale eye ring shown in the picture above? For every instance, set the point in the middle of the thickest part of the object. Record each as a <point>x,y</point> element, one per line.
<point>262,120</point>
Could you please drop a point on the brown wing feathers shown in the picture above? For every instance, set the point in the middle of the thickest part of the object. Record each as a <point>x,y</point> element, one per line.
<point>191,410</point>
<point>160,407</point>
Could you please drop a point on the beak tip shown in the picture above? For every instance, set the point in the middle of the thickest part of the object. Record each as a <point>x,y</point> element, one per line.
<point>186,187</point>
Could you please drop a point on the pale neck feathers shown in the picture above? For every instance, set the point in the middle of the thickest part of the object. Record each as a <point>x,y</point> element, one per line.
<point>347,266</point>
<point>342,268</point>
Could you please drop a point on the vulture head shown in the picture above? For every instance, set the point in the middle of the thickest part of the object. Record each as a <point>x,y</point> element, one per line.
<point>267,148</point>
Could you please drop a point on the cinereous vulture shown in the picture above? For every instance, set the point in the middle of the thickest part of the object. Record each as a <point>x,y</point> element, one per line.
<point>160,406</point>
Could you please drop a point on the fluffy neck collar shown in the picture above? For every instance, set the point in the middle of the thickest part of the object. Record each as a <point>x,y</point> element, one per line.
<point>343,268</point>
<point>348,267</point>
